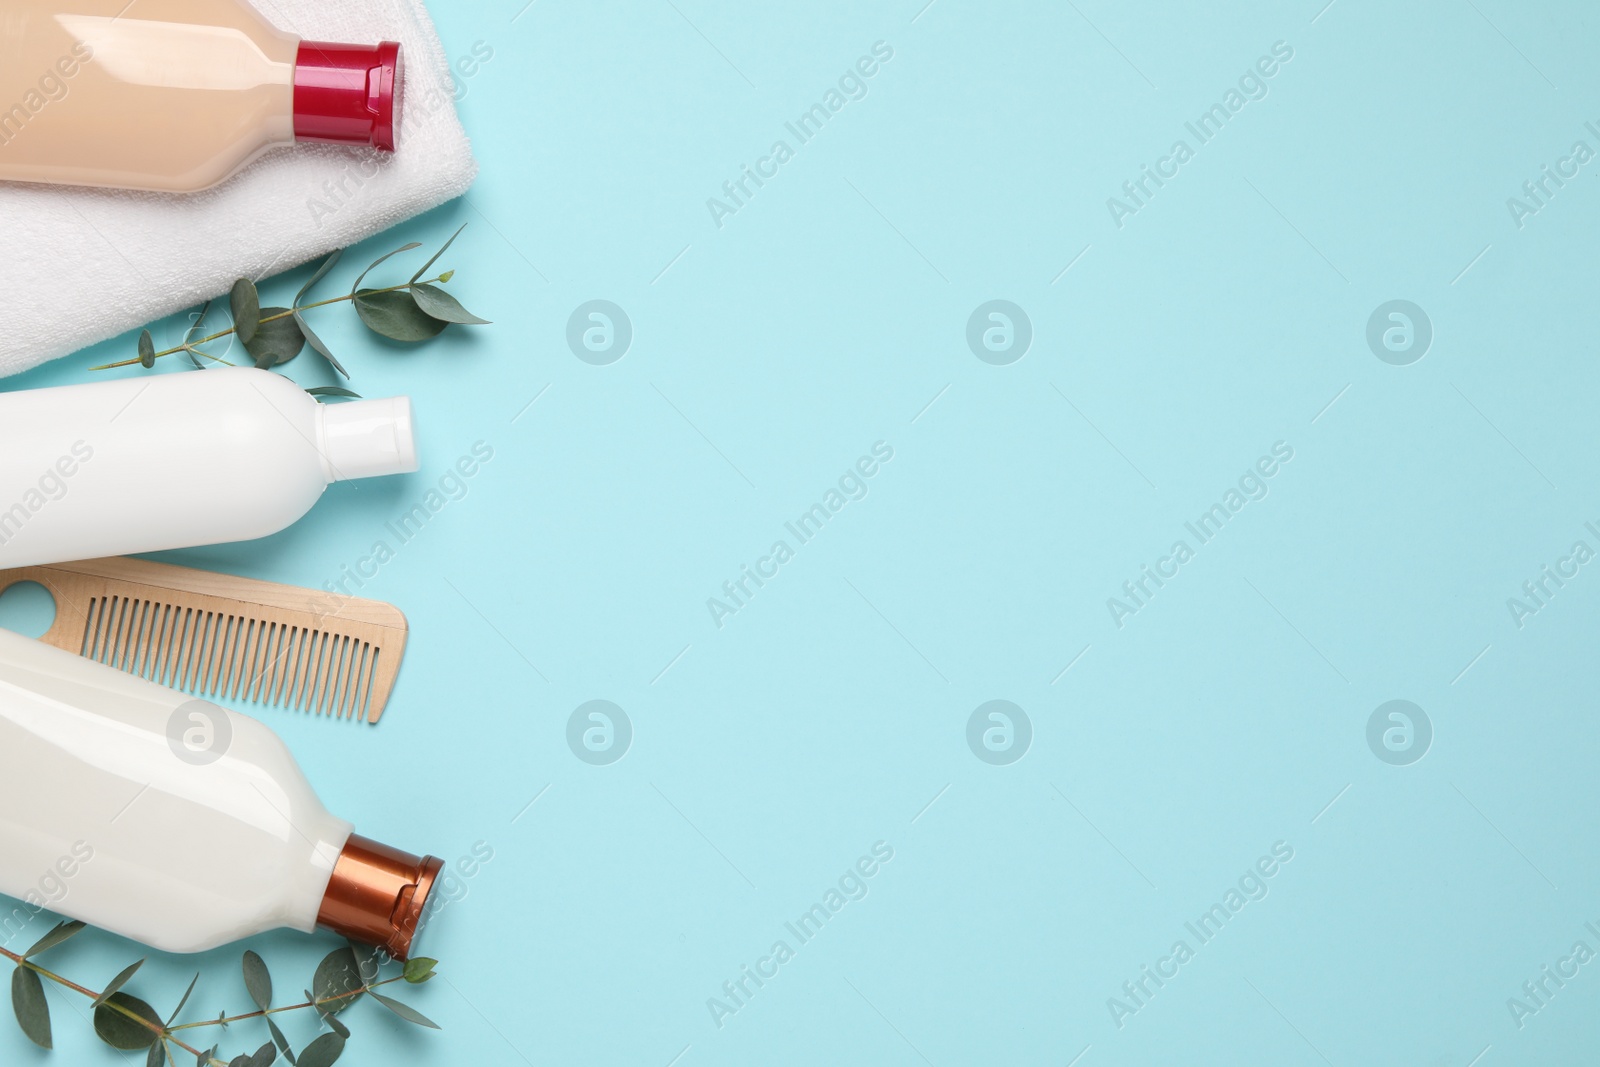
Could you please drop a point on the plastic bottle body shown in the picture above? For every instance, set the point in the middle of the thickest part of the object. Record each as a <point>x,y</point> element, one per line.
<point>185,825</point>
<point>174,95</point>
<point>177,460</point>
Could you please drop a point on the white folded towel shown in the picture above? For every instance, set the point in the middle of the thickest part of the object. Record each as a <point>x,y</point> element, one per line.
<point>80,265</point>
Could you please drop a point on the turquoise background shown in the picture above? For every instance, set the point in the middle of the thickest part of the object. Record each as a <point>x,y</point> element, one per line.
<point>830,713</point>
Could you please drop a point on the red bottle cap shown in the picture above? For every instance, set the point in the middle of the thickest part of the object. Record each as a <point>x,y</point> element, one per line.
<point>347,94</point>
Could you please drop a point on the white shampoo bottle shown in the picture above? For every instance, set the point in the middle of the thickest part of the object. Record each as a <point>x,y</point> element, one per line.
<point>179,460</point>
<point>176,822</point>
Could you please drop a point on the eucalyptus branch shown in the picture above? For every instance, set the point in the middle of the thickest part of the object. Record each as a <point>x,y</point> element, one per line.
<point>193,347</point>
<point>129,1024</point>
<point>412,311</point>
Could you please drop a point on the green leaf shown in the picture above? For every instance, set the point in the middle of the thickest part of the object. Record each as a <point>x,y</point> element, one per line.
<point>200,321</point>
<point>147,350</point>
<point>265,1056</point>
<point>419,969</point>
<point>279,1040</point>
<point>322,392</point>
<point>205,1058</point>
<point>58,933</point>
<point>322,272</point>
<point>278,341</point>
<point>338,975</point>
<point>157,1056</point>
<point>317,344</point>
<point>311,337</point>
<point>441,305</point>
<point>405,1011</point>
<point>191,333</point>
<point>121,1032</point>
<point>395,315</point>
<point>326,1015</point>
<point>174,1016</point>
<point>335,1025</point>
<point>436,255</point>
<point>33,1011</point>
<point>118,982</point>
<point>323,1052</point>
<point>354,289</point>
<point>257,981</point>
<point>245,303</point>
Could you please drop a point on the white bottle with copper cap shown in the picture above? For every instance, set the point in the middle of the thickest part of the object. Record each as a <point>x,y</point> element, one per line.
<point>176,822</point>
<point>179,460</point>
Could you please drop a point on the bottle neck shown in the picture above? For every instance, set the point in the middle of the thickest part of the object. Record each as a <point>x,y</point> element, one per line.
<point>367,438</point>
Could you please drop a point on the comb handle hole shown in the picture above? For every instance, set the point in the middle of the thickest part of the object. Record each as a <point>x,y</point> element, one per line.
<point>27,608</point>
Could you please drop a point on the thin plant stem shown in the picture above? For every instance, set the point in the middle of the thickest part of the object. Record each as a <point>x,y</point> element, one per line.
<point>189,346</point>
<point>288,1007</point>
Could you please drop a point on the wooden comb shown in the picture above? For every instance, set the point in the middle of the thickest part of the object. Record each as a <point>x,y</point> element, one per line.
<point>216,635</point>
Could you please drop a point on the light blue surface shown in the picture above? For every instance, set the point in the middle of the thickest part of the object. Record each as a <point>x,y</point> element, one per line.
<point>829,313</point>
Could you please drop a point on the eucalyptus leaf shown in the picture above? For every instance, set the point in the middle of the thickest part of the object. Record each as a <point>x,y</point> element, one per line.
<point>322,272</point>
<point>335,1025</point>
<point>317,344</point>
<point>240,1060</point>
<point>58,933</point>
<point>245,303</point>
<point>278,341</point>
<point>33,1011</point>
<point>200,321</point>
<point>279,1040</point>
<point>121,1032</point>
<point>157,1056</point>
<point>395,315</point>
<point>191,333</point>
<point>326,1015</point>
<point>356,288</point>
<point>323,1052</point>
<point>419,969</point>
<point>174,1016</point>
<point>441,305</point>
<point>147,350</point>
<point>338,975</point>
<point>265,1056</point>
<point>257,981</point>
<point>405,1011</point>
<point>118,982</point>
<point>205,1058</point>
<point>443,249</point>
<point>324,392</point>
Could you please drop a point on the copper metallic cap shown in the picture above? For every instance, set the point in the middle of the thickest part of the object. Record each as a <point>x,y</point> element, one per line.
<point>377,895</point>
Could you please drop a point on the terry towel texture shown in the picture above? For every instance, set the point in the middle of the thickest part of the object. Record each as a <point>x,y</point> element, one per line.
<point>80,265</point>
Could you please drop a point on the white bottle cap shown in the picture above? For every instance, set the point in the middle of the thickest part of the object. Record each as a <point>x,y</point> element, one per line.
<point>368,438</point>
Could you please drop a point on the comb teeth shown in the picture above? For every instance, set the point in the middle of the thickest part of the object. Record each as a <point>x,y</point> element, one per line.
<point>213,654</point>
<point>223,637</point>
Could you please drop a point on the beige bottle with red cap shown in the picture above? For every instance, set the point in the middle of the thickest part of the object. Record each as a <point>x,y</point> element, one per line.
<point>175,95</point>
